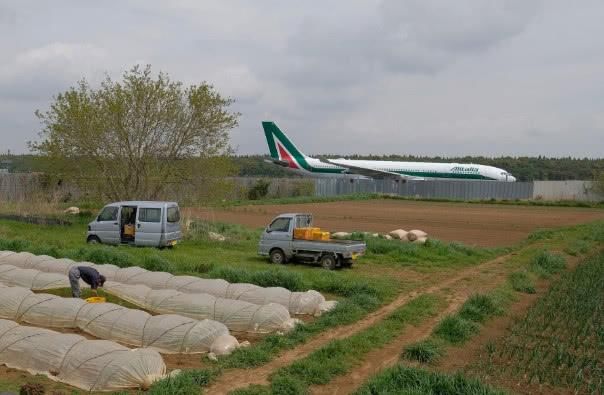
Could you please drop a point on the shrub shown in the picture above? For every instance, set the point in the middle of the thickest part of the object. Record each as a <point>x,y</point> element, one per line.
<point>521,282</point>
<point>425,351</point>
<point>32,389</point>
<point>455,329</point>
<point>259,190</point>
<point>478,307</point>
<point>546,263</point>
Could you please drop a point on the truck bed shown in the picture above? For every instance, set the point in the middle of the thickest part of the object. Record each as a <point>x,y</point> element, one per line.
<point>337,246</point>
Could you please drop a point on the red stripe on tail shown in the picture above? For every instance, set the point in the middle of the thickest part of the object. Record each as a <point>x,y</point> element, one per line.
<point>286,157</point>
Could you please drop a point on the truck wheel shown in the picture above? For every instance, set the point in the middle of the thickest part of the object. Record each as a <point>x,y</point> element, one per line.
<point>277,256</point>
<point>347,263</point>
<point>328,262</point>
<point>93,240</point>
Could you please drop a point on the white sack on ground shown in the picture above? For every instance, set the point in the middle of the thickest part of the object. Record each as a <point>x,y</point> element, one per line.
<point>308,302</point>
<point>398,234</point>
<point>237,315</point>
<point>91,365</point>
<point>420,240</point>
<point>340,235</point>
<point>168,333</point>
<point>415,234</point>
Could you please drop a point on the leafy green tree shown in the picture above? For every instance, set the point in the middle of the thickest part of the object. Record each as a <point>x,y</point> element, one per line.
<point>136,138</point>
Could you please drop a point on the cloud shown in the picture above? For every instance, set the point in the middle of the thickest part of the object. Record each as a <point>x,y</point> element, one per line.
<point>8,15</point>
<point>395,76</point>
<point>50,69</point>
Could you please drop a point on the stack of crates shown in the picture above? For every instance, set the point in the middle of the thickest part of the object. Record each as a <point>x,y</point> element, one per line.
<point>319,235</point>
<point>304,233</point>
<point>310,234</point>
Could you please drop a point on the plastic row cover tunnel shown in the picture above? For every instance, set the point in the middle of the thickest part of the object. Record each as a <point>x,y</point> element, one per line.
<point>236,315</point>
<point>92,365</point>
<point>309,302</point>
<point>167,333</point>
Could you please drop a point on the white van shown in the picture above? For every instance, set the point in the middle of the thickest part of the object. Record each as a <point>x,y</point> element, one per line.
<point>141,223</point>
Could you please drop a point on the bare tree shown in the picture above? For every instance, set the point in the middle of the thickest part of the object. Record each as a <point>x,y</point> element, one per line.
<point>133,137</point>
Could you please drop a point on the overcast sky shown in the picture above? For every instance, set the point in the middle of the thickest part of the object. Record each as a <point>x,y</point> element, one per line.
<point>491,77</point>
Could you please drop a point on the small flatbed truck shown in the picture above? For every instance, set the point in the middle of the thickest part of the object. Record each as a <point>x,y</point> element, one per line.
<point>278,243</point>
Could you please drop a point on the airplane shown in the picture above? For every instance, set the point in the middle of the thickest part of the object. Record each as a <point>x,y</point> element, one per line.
<point>284,153</point>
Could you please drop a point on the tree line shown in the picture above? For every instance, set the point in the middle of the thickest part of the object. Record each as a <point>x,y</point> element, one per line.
<point>524,168</point>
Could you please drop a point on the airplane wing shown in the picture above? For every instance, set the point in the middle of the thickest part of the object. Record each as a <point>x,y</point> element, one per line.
<point>373,173</point>
<point>278,162</point>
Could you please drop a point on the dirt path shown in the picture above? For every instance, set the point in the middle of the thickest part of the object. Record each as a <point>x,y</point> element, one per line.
<point>237,378</point>
<point>474,224</point>
<point>488,277</point>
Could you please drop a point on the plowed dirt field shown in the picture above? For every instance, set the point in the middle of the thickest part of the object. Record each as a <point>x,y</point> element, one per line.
<point>475,224</point>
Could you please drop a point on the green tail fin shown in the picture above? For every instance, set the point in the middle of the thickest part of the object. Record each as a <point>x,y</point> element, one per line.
<point>275,136</point>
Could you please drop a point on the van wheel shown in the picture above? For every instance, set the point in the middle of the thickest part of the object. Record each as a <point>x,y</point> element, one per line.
<point>277,256</point>
<point>328,262</point>
<point>93,240</point>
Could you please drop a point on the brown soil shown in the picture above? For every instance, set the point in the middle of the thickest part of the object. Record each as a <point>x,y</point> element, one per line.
<point>477,224</point>
<point>237,378</point>
<point>17,376</point>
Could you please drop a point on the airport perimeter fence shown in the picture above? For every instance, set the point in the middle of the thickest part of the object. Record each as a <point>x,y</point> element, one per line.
<point>15,187</point>
<point>429,189</point>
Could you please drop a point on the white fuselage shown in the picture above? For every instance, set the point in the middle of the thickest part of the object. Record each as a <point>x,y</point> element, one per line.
<point>412,170</point>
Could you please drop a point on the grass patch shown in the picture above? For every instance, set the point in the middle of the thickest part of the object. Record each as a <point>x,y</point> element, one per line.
<point>461,326</point>
<point>546,264</point>
<point>578,247</point>
<point>455,329</point>
<point>522,282</point>
<point>186,383</point>
<point>346,312</point>
<point>479,307</point>
<point>339,356</point>
<point>425,351</point>
<point>432,254</point>
<point>404,380</point>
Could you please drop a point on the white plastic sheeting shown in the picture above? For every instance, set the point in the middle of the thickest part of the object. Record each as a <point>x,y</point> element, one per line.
<point>92,365</point>
<point>32,279</point>
<point>168,333</point>
<point>236,315</point>
<point>309,302</point>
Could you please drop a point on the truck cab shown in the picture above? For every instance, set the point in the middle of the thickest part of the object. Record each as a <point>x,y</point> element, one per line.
<point>140,223</point>
<point>279,244</point>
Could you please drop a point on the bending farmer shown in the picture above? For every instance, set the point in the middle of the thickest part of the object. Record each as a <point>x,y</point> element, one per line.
<point>89,275</point>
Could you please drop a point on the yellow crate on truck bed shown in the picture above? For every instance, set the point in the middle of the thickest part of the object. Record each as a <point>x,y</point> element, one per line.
<point>319,235</point>
<point>304,233</point>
